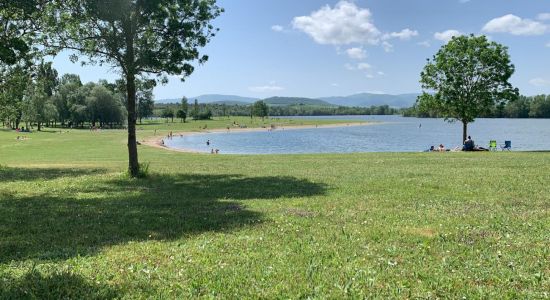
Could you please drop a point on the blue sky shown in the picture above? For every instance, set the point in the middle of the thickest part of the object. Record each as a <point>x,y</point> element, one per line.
<point>318,48</point>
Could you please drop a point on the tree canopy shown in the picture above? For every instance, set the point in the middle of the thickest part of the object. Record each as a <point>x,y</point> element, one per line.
<point>466,78</point>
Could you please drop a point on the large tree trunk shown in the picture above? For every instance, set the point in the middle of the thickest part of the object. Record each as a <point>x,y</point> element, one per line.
<point>464,131</point>
<point>133,163</point>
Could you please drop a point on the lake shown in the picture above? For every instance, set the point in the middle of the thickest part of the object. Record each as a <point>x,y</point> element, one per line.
<point>389,134</point>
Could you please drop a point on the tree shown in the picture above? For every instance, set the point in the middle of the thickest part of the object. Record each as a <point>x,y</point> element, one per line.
<point>260,109</point>
<point>181,114</point>
<point>155,37</point>
<point>466,78</point>
<point>37,106</point>
<point>196,111</point>
<point>184,106</point>
<point>168,113</point>
<point>145,101</point>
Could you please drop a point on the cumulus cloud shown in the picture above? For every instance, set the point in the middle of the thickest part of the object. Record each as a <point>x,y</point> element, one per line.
<point>447,35</point>
<point>515,25</point>
<point>277,28</point>
<point>544,16</point>
<point>344,24</point>
<point>356,53</point>
<point>404,35</point>
<point>540,82</point>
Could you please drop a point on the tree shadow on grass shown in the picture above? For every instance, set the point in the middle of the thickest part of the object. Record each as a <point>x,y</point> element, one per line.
<point>35,285</point>
<point>54,226</point>
<point>9,174</point>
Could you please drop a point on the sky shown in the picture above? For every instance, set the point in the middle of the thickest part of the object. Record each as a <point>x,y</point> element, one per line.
<point>319,48</point>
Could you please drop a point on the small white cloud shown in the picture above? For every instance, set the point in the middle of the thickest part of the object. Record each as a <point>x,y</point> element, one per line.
<point>404,35</point>
<point>363,66</point>
<point>544,16</point>
<point>515,25</point>
<point>540,82</point>
<point>464,1</point>
<point>356,53</point>
<point>424,44</point>
<point>272,87</point>
<point>387,46</point>
<point>344,24</point>
<point>359,67</point>
<point>447,35</point>
<point>334,85</point>
<point>381,73</point>
<point>277,28</point>
<point>370,76</point>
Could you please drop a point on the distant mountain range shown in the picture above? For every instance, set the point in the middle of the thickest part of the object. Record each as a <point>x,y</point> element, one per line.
<point>358,100</point>
<point>285,101</point>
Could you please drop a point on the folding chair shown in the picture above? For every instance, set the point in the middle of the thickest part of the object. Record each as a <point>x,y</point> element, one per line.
<point>493,145</point>
<point>507,146</point>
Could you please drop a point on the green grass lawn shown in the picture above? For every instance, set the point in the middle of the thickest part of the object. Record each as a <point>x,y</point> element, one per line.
<point>414,225</point>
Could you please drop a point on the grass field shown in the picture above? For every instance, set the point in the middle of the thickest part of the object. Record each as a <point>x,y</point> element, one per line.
<point>414,225</point>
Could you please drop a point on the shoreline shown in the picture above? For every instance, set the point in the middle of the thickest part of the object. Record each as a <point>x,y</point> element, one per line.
<point>157,141</point>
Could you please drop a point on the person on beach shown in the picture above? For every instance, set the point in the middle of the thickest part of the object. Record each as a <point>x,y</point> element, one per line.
<point>441,148</point>
<point>469,144</point>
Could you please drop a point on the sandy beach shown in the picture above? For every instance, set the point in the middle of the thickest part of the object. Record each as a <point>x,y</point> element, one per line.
<point>157,141</point>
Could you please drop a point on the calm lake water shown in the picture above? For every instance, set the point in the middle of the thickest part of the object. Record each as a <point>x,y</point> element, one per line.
<point>391,134</point>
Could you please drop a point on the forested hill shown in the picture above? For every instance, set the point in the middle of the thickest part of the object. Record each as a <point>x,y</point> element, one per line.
<point>285,101</point>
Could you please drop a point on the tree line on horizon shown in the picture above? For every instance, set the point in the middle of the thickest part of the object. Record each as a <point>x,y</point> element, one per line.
<point>33,97</point>
<point>536,107</point>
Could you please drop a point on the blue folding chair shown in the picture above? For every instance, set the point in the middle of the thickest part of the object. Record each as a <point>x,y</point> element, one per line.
<point>507,146</point>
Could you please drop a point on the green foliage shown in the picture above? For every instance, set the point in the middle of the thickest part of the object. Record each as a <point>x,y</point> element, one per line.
<point>181,114</point>
<point>17,27</point>
<point>466,78</point>
<point>260,109</point>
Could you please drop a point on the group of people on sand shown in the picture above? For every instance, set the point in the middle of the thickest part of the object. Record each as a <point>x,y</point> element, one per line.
<point>469,145</point>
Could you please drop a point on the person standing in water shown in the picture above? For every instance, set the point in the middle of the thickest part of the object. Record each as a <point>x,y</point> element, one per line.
<point>208,143</point>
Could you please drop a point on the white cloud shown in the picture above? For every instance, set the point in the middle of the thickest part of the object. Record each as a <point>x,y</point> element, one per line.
<point>424,44</point>
<point>540,82</point>
<point>548,44</point>
<point>272,87</point>
<point>544,16</point>
<point>360,66</point>
<point>387,46</point>
<point>356,53</point>
<point>381,73</point>
<point>515,25</point>
<point>344,24</point>
<point>334,85</point>
<point>447,35</point>
<point>277,28</point>
<point>464,1</point>
<point>404,35</point>
<point>370,76</point>
<point>363,66</point>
